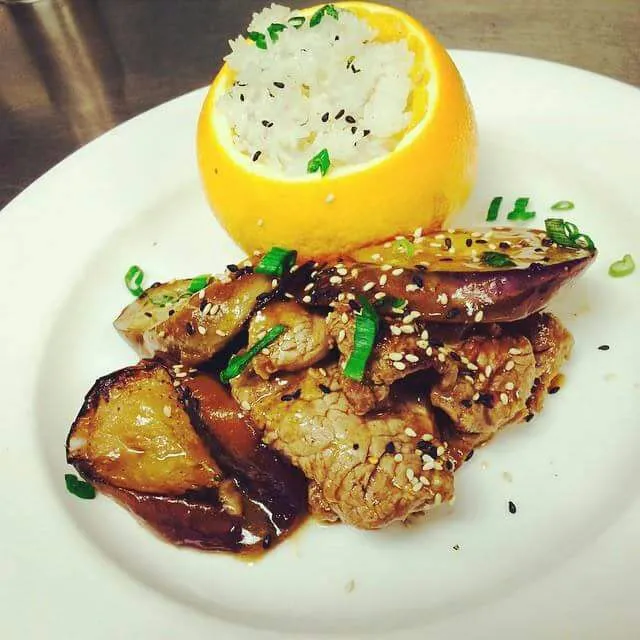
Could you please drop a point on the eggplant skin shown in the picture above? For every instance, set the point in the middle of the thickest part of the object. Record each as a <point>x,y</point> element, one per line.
<point>457,288</point>
<point>168,323</point>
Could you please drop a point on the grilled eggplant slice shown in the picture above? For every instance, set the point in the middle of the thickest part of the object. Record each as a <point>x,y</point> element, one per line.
<point>169,322</point>
<point>134,440</point>
<point>457,276</point>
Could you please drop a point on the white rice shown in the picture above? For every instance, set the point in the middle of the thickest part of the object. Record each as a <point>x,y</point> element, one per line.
<point>343,92</point>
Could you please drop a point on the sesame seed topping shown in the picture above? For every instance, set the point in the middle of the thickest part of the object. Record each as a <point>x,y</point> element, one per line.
<point>442,298</point>
<point>202,331</point>
<point>410,474</point>
<point>214,309</point>
<point>424,335</point>
<point>398,457</point>
<point>335,280</point>
<point>407,328</point>
<point>342,271</point>
<point>411,287</point>
<point>410,432</point>
<point>509,386</point>
<point>309,286</point>
<point>440,450</point>
<point>429,351</point>
<point>471,366</point>
<point>373,460</point>
<point>422,344</point>
<point>368,286</point>
<point>510,364</point>
<point>437,499</point>
<point>386,267</point>
<point>201,294</point>
<point>376,257</point>
<point>181,374</point>
<point>504,398</point>
<point>245,405</point>
<point>330,198</point>
<point>383,280</point>
<point>395,356</point>
<point>221,333</point>
<point>514,351</point>
<point>411,358</point>
<point>379,295</point>
<point>341,335</point>
<point>479,315</point>
<point>397,272</point>
<point>441,357</point>
<point>488,370</point>
<point>418,232</point>
<point>400,366</point>
<point>166,410</point>
<point>306,299</point>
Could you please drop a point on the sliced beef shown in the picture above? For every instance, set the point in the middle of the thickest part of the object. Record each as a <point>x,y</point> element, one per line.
<point>305,341</point>
<point>371,470</point>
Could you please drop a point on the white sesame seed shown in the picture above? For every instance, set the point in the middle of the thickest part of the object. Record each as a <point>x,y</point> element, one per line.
<point>288,295</point>
<point>400,366</point>
<point>387,245</point>
<point>441,357</point>
<point>274,283</point>
<point>428,464</point>
<point>221,333</point>
<point>479,315</point>
<point>427,437</point>
<point>354,273</point>
<point>335,280</point>
<point>509,386</point>
<point>482,377</point>
<point>344,318</point>
<point>176,383</point>
<point>379,295</point>
<point>442,298</point>
<point>418,232</point>
<point>440,450</point>
<point>265,351</point>
<point>510,364</point>
<point>181,374</point>
<point>323,371</point>
<point>504,398</point>
<point>411,358</point>
<point>376,257</point>
<point>201,294</point>
<point>471,366</point>
<point>395,356</point>
<point>330,198</point>
<point>476,396</point>
<point>202,331</point>
<point>166,410</point>
<point>340,297</point>
<point>407,328</point>
<point>214,309</point>
<point>515,352</point>
<point>424,335</point>
<point>309,286</point>
<point>437,499</point>
<point>386,267</point>
<point>440,236</point>
<point>410,432</point>
<point>383,280</point>
<point>306,299</point>
<point>207,308</point>
<point>368,286</point>
<point>410,474</point>
<point>245,405</point>
<point>294,268</point>
<point>395,330</point>
<point>488,370</point>
<point>416,487</point>
<point>398,457</point>
<point>422,344</point>
<point>342,271</point>
<point>469,379</point>
<point>476,234</point>
<point>429,351</point>
<point>411,287</point>
<point>424,480</point>
<point>260,222</point>
<point>341,335</point>
<point>397,272</point>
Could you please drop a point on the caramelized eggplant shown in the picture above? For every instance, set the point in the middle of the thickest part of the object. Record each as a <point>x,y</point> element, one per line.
<point>135,441</point>
<point>460,276</point>
<point>169,322</point>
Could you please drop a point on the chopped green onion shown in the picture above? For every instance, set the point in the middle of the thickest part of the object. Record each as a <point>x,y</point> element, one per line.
<point>367,323</point>
<point>199,282</point>
<point>319,162</point>
<point>238,363</point>
<point>296,21</point>
<point>276,262</point>
<point>563,205</point>
<point>328,9</point>
<point>259,38</point>
<point>79,488</point>
<point>567,234</point>
<point>519,211</point>
<point>494,209</point>
<point>402,245</point>
<point>398,303</point>
<point>624,267</point>
<point>133,279</point>
<point>274,29</point>
<point>495,259</point>
<point>390,301</point>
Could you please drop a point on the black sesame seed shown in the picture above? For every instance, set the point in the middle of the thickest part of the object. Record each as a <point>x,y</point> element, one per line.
<point>148,314</point>
<point>428,448</point>
<point>232,268</point>
<point>446,259</point>
<point>266,542</point>
<point>469,455</point>
<point>468,242</point>
<point>203,304</point>
<point>355,305</point>
<point>189,328</point>
<point>242,97</point>
<point>356,446</point>
<point>486,399</point>
<point>447,243</point>
<point>355,70</point>
<point>337,38</point>
<point>504,245</point>
<point>512,507</point>
<point>324,388</point>
<point>448,465</point>
<point>554,389</point>
<point>481,241</point>
<point>171,311</point>
<point>266,123</point>
<point>539,250</point>
<point>256,155</point>
<point>325,117</point>
<point>547,242</point>
<point>365,132</point>
<point>421,267</point>
<point>280,85</point>
<point>604,347</point>
<point>437,343</point>
<point>452,313</point>
<point>454,356</point>
<point>417,280</point>
<point>466,403</point>
<point>529,417</point>
<point>339,114</point>
<point>350,119</point>
<point>536,267</point>
<point>354,129</point>
<point>390,447</point>
<point>456,547</point>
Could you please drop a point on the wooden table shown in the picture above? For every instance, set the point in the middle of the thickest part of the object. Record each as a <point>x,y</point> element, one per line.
<point>72,69</point>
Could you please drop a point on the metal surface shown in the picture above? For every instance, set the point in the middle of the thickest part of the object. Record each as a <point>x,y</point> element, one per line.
<point>72,69</point>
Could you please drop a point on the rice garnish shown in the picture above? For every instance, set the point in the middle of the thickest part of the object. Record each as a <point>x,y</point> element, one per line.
<point>303,90</point>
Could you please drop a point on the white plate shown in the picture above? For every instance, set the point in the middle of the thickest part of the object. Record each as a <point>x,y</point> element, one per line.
<point>566,565</point>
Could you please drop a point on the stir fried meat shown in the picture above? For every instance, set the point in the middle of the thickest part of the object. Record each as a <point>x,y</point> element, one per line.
<point>305,341</point>
<point>372,470</point>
